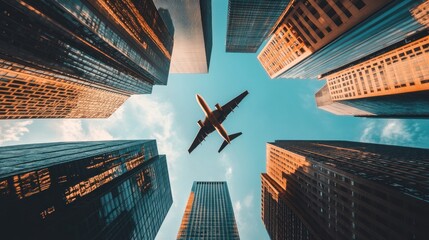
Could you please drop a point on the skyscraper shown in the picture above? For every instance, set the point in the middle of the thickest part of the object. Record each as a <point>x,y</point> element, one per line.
<point>192,23</point>
<point>345,190</point>
<point>250,22</point>
<point>83,190</point>
<point>393,82</point>
<point>79,58</point>
<point>209,213</point>
<point>315,37</point>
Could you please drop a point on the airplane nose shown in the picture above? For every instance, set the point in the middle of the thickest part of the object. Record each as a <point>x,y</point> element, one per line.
<point>198,97</point>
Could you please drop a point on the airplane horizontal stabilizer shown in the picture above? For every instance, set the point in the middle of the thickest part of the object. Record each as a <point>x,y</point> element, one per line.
<point>231,137</point>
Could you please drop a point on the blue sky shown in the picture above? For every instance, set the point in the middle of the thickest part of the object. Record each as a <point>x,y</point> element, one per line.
<point>274,109</point>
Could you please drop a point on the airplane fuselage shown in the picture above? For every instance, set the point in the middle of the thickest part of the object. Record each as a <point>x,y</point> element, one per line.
<point>212,118</point>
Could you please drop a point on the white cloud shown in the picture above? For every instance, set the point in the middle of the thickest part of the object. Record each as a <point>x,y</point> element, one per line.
<point>141,117</point>
<point>368,132</point>
<point>158,118</point>
<point>248,200</point>
<point>392,131</point>
<point>226,163</point>
<point>228,173</point>
<point>396,131</point>
<point>12,131</point>
<point>237,208</point>
<point>74,130</point>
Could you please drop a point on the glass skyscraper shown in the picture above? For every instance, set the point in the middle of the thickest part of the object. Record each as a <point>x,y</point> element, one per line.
<point>79,59</point>
<point>83,190</point>
<point>345,190</point>
<point>318,36</point>
<point>193,38</point>
<point>250,22</point>
<point>209,213</point>
<point>393,82</point>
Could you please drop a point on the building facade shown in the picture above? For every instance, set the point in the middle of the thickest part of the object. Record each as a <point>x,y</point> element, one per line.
<point>100,49</point>
<point>348,190</point>
<point>318,36</point>
<point>83,190</point>
<point>193,38</point>
<point>251,22</point>
<point>393,82</point>
<point>209,213</point>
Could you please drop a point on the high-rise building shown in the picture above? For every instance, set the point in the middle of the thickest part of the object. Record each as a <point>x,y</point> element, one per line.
<point>393,82</point>
<point>250,22</point>
<point>209,213</point>
<point>79,58</point>
<point>345,190</point>
<point>192,24</point>
<point>83,190</point>
<point>421,13</point>
<point>317,36</point>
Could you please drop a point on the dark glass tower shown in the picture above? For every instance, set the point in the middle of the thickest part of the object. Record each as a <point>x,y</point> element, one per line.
<point>345,190</point>
<point>63,58</point>
<point>209,213</point>
<point>83,190</point>
<point>250,22</point>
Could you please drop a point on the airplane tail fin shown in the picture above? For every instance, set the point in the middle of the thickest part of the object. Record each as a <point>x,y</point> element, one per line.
<point>231,137</point>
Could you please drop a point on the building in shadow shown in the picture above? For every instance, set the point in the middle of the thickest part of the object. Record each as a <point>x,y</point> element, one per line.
<point>345,190</point>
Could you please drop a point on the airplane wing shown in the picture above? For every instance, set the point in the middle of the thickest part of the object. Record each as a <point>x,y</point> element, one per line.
<point>228,107</point>
<point>201,135</point>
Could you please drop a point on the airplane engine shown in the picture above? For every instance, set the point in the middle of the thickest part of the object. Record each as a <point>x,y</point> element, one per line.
<point>200,123</point>
<point>218,107</point>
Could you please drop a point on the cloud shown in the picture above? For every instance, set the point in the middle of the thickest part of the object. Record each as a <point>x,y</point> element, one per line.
<point>228,173</point>
<point>244,218</point>
<point>76,130</point>
<point>237,208</point>
<point>12,131</point>
<point>226,163</point>
<point>248,200</point>
<point>395,132</point>
<point>157,117</point>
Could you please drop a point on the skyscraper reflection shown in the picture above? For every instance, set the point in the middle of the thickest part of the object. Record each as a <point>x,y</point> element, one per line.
<point>83,190</point>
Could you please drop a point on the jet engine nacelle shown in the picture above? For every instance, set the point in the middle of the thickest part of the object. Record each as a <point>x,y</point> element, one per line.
<point>200,123</point>
<point>218,107</point>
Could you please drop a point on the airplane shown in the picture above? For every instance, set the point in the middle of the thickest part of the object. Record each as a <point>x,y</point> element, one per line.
<point>213,121</point>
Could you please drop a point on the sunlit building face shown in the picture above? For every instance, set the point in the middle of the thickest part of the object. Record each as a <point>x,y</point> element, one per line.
<point>391,83</point>
<point>315,37</point>
<point>84,190</point>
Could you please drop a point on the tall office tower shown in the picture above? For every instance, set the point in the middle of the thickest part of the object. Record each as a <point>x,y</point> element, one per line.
<point>79,59</point>
<point>393,82</point>
<point>192,25</point>
<point>209,213</point>
<point>317,36</point>
<point>421,13</point>
<point>250,22</point>
<point>83,190</point>
<point>345,190</point>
